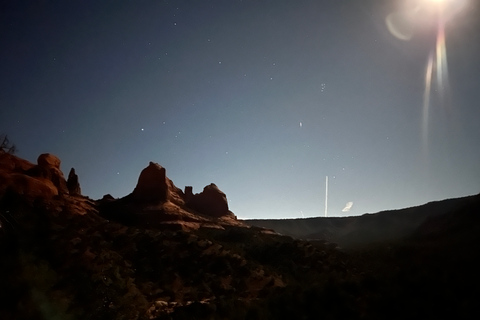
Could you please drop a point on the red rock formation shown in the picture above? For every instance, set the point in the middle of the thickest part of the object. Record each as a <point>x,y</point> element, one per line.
<point>156,202</point>
<point>152,185</point>
<point>72,183</point>
<point>30,181</point>
<point>188,193</point>
<point>49,168</point>
<point>212,202</point>
<point>28,187</point>
<point>11,163</point>
<point>48,160</point>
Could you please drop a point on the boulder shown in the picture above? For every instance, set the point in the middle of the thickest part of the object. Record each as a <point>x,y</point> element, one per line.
<point>73,185</point>
<point>49,168</point>
<point>22,178</point>
<point>48,160</point>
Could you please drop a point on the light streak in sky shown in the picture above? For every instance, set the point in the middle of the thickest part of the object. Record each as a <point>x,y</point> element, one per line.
<point>436,64</point>
<point>426,99</point>
<point>326,196</point>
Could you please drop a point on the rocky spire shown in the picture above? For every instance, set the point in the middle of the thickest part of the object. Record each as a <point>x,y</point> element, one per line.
<point>152,184</point>
<point>72,184</point>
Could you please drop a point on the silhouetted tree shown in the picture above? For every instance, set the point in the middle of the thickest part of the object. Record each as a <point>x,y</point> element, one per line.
<point>6,146</point>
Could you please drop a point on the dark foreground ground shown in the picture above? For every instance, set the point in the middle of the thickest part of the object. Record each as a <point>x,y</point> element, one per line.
<point>59,259</point>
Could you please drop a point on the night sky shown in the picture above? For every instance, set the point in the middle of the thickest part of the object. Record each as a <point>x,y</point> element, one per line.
<point>263,98</point>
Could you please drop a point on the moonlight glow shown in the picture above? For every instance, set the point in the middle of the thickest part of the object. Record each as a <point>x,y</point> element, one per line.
<point>304,89</point>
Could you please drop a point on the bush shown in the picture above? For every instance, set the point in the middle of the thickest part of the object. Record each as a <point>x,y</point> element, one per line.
<point>6,146</point>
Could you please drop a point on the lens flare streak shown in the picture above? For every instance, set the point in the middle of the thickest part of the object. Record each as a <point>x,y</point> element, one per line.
<point>436,64</point>
<point>441,57</point>
<point>426,98</point>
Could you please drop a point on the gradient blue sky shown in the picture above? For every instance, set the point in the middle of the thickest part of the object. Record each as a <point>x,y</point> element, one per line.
<point>263,98</point>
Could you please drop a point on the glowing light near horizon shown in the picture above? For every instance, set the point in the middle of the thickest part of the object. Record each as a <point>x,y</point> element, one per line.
<point>348,206</point>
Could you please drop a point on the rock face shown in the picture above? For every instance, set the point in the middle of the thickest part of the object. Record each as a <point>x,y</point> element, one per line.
<point>25,186</point>
<point>188,193</point>
<point>156,202</point>
<point>72,184</point>
<point>49,168</point>
<point>48,160</point>
<point>11,163</point>
<point>212,202</point>
<point>22,178</point>
<point>152,185</point>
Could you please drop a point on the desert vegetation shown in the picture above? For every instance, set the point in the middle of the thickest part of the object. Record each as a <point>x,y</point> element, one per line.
<point>6,146</point>
<point>61,258</point>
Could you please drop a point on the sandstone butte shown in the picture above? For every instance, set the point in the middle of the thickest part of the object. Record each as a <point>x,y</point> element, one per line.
<point>154,202</point>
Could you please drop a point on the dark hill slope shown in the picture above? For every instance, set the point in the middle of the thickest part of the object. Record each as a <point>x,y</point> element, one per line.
<point>362,230</point>
<point>61,257</point>
<point>431,274</point>
<point>456,232</point>
<point>62,260</point>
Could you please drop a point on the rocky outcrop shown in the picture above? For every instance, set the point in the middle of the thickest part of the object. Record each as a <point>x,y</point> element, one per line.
<point>107,197</point>
<point>49,168</point>
<point>27,187</point>
<point>188,193</point>
<point>11,163</point>
<point>152,185</point>
<point>157,202</point>
<point>22,178</point>
<point>73,185</point>
<point>48,160</point>
<point>211,201</point>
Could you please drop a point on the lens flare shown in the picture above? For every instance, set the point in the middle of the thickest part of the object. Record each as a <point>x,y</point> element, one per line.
<point>436,64</point>
<point>426,98</point>
<point>441,57</point>
<point>404,24</point>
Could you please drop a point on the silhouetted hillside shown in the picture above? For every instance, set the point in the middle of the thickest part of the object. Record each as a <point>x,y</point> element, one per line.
<point>155,254</point>
<point>362,230</point>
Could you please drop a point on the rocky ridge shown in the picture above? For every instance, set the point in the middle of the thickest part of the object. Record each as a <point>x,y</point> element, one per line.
<point>161,253</point>
<point>157,202</point>
<point>154,254</point>
<point>43,180</point>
